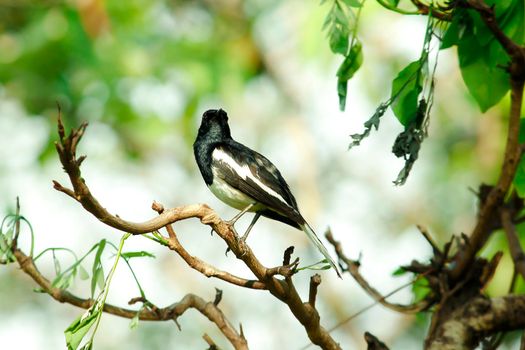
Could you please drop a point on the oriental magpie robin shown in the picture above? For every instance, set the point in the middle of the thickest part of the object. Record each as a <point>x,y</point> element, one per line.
<point>245,179</point>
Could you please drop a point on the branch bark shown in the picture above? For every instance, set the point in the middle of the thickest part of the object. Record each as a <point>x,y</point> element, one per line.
<point>471,322</point>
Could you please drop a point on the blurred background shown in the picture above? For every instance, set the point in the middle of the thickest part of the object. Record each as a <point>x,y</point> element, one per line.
<point>142,73</point>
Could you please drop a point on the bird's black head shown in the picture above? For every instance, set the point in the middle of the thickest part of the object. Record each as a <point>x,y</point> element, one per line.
<point>214,125</point>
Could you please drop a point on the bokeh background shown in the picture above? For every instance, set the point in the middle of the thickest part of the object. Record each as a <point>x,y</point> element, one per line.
<point>141,73</point>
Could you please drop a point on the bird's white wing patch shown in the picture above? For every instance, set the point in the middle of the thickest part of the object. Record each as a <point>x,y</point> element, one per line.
<point>245,172</point>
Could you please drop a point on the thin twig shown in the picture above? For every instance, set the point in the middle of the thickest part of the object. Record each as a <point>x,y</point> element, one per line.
<point>513,241</point>
<point>353,269</point>
<point>315,281</point>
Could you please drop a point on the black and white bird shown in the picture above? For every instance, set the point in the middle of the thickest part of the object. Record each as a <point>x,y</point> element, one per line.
<point>246,180</point>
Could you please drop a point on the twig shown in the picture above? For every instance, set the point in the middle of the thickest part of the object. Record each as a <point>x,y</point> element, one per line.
<point>353,269</point>
<point>205,268</point>
<point>210,342</point>
<point>315,281</point>
<point>374,343</point>
<point>514,243</point>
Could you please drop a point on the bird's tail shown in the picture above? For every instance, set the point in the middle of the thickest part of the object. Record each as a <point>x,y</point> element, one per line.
<point>317,242</point>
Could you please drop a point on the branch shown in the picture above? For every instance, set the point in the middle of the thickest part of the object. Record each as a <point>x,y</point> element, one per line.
<point>284,290</point>
<point>353,269</point>
<point>481,316</point>
<point>374,343</point>
<point>514,243</point>
<point>513,150</point>
<point>172,312</point>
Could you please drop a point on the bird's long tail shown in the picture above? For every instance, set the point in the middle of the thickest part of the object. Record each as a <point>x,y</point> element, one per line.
<point>317,242</point>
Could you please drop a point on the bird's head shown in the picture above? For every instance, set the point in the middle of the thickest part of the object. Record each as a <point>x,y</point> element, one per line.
<point>215,124</point>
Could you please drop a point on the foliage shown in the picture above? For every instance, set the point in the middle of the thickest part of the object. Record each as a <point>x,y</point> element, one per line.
<point>481,59</point>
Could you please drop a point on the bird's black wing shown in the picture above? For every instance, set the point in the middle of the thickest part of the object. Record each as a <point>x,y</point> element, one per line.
<point>253,174</point>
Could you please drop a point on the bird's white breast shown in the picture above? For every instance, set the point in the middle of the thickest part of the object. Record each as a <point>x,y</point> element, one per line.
<point>229,195</point>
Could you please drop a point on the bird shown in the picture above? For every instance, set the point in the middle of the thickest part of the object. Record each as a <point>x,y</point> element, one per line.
<point>246,180</point>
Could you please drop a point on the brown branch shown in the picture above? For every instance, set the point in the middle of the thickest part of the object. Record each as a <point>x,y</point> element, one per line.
<point>514,243</point>
<point>513,150</point>
<point>353,269</point>
<point>374,343</point>
<point>172,312</point>
<point>480,316</point>
<point>284,290</point>
<point>206,269</point>
<point>315,281</point>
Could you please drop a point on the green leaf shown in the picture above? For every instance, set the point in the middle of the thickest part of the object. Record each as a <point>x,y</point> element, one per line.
<point>406,88</point>
<point>83,274</point>
<point>135,320</point>
<point>351,63</point>
<point>455,30</point>
<point>140,254</point>
<point>97,270</point>
<point>486,82</point>
<point>420,288</point>
<point>346,71</point>
<point>393,3</point>
<point>519,178</point>
<point>353,3</point>
<point>79,328</point>
<point>342,88</point>
<point>339,23</point>
<point>399,271</point>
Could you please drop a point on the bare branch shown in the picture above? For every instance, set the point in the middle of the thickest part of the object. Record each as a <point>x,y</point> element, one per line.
<point>205,268</point>
<point>315,281</point>
<point>514,243</point>
<point>353,269</point>
<point>374,343</point>
<point>208,309</point>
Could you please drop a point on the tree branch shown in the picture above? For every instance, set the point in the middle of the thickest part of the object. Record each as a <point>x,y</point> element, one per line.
<point>471,322</point>
<point>353,269</point>
<point>513,150</point>
<point>172,312</point>
<point>514,243</point>
<point>284,290</point>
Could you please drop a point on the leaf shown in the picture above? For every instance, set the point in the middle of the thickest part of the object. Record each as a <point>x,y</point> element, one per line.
<point>406,88</point>
<point>519,178</point>
<point>135,320</point>
<point>140,254</point>
<point>78,329</point>
<point>393,2</point>
<point>351,63</point>
<point>353,3</point>
<point>56,264</point>
<point>486,82</point>
<point>97,270</point>
<point>455,30</point>
<point>346,71</point>
<point>400,271</point>
<point>83,274</point>
<point>373,122</point>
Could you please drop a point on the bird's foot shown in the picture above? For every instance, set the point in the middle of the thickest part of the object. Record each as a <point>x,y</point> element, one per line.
<point>241,243</point>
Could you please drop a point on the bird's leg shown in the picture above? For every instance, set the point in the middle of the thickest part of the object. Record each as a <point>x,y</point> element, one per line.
<point>238,216</point>
<point>255,218</point>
